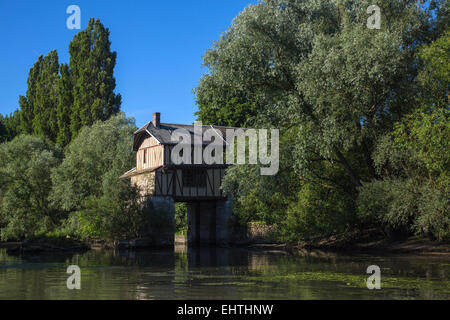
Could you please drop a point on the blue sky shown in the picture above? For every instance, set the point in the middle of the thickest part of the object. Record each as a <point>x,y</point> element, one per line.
<point>159,46</point>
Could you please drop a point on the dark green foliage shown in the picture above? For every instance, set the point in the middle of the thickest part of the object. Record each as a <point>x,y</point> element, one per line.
<point>318,212</point>
<point>9,126</point>
<point>224,106</point>
<point>180,217</point>
<point>65,102</point>
<point>414,160</point>
<point>38,108</point>
<point>403,207</point>
<point>3,133</point>
<point>45,98</point>
<point>92,66</point>
<point>60,100</point>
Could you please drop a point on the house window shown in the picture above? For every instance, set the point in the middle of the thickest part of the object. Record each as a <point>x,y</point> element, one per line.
<point>194,178</point>
<point>145,156</point>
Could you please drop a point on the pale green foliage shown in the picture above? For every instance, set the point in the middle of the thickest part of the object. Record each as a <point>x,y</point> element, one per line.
<point>413,195</point>
<point>25,166</point>
<point>434,213</point>
<point>87,183</point>
<point>345,79</point>
<point>335,89</point>
<point>403,206</point>
<point>91,160</point>
<point>391,202</point>
<point>116,214</point>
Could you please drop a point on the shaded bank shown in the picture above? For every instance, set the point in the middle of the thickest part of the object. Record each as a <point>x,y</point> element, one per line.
<point>372,241</point>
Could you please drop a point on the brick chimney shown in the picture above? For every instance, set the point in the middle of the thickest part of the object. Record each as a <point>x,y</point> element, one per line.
<point>156,118</point>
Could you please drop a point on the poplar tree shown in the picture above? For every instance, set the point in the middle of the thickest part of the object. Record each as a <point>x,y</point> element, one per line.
<point>65,103</point>
<point>9,126</point>
<point>2,129</point>
<point>26,102</point>
<point>46,98</point>
<point>92,69</point>
<point>38,107</point>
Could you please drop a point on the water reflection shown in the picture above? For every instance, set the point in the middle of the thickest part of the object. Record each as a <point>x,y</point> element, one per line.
<point>221,273</point>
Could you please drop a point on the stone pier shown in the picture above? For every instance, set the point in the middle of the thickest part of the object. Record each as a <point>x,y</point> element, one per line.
<point>163,230</point>
<point>209,222</point>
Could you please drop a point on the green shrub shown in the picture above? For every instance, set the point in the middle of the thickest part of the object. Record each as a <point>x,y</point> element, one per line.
<point>115,215</point>
<point>318,212</point>
<point>25,166</point>
<point>180,217</point>
<point>389,204</point>
<point>433,214</point>
<point>404,206</point>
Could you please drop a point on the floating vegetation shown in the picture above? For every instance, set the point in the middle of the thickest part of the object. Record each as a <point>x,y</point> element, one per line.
<point>357,281</point>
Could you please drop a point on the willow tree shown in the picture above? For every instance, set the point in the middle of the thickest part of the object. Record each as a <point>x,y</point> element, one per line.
<point>332,85</point>
<point>25,166</point>
<point>315,65</point>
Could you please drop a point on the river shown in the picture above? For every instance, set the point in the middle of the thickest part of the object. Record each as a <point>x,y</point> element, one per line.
<point>222,273</point>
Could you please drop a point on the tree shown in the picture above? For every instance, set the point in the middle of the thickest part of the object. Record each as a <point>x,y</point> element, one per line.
<point>9,126</point>
<point>61,99</point>
<point>25,166</point>
<point>38,114</point>
<point>46,98</point>
<point>434,76</point>
<point>87,186</point>
<point>117,214</point>
<point>413,159</point>
<point>181,217</point>
<point>225,106</point>
<point>3,132</point>
<point>92,69</point>
<point>98,153</point>
<point>291,55</point>
<point>317,71</point>
<point>65,103</point>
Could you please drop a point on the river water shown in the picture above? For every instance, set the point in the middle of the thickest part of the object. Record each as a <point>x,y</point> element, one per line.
<point>222,273</point>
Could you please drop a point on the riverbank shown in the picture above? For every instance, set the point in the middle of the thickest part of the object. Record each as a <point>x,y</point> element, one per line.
<point>45,244</point>
<point>369,241</point>
<point>372,241</point>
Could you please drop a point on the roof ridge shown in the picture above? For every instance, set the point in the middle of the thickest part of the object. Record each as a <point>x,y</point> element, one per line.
<point>143,127</point>
<point>203,125</point>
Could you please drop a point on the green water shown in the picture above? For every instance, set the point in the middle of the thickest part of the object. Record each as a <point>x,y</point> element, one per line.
<point>218,273</point>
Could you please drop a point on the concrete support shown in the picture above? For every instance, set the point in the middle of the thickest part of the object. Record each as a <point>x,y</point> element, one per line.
<point>163,225</point>
<point>224,211</point>
<point>209,223</point>
<point>193,221</point>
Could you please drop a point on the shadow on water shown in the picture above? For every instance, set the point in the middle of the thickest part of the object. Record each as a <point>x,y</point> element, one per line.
<point>221,273</point>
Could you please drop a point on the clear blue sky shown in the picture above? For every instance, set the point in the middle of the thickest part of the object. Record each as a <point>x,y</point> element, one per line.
<point>159,46</point>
